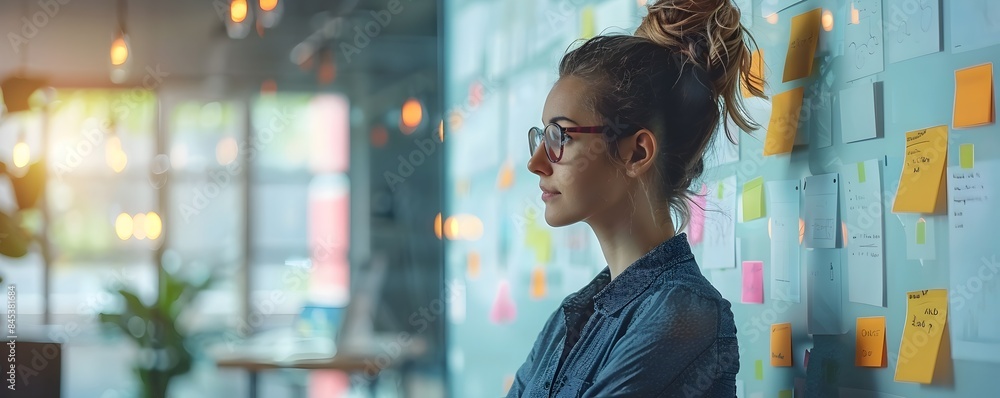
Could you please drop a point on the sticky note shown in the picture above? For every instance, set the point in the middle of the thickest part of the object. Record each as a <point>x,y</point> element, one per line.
<point>974,99</point>
<point>587,24</point>
<point>753,199</point>
<point>756,77</point>
<point>785,394</point>
<point>697,228</point>
<point>504,309</point>
<point>753,282</point>
<point>781,344</point>
<point>921,182</point>
<point>540,241</point>
<point>759,369</point>
<point>921,231</point>
<point>473,264</point>
<point>861,172</point>
<point>967,156</point>
<point>784,123</point>
<point>926,315</point>
<point>802,45</point>
<point>538,286</point>
<point>869,341</point>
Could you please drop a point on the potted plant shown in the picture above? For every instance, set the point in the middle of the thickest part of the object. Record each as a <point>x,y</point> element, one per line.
<point>164,344</point>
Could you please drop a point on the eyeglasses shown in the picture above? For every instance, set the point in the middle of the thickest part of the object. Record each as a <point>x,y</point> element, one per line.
<point>554,137</point>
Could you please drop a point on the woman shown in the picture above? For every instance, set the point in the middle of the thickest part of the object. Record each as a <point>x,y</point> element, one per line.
<point>627,124</point>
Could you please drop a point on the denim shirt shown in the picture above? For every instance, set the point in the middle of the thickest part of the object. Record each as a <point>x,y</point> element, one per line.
<point>659,329</point>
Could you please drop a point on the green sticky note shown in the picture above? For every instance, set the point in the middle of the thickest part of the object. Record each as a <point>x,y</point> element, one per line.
<point>921,231</point>
<point>785,394</point>
<point>753,199</point>
<point>759,369</point>
<point>861,172</point>
<point>967,156</point>
<point>587,25</point>
<point>720,189</point>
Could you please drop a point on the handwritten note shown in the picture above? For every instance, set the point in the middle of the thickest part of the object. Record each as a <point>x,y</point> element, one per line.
<point>821,211</point>
<point>870,350</point>
<point>753,199</point>
<point>784,123</point>
<point>802,43</point>
<point>912,28</point>
<point>753,282</point>
<point>926,315</point>
<point>781,344</point>
<point>825,297</point>
<point>720,225</point>
<point>783,200</point>
<point>974,103</point>
<point>973,213</point>
<point>756,77</point>
<point>863,44</point>
<point>864,242</point>
<point>923,172</point>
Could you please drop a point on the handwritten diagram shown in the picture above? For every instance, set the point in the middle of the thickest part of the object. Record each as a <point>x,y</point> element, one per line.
<point>863,40</point>
<point>912,28</point>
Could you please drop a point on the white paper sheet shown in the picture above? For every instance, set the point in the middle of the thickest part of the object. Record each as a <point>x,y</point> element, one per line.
<point>974,24</point>
<point>783,206</point>
<point>826,299</point>
<point>720,225</point>
<point>740,389</point>
<point>859,116</point>
<point>973,215</point>
<point>864,239</point>
<point>821,212</point>
<point>919,249</point>
<point>912,28</point>
<point>863,44</point>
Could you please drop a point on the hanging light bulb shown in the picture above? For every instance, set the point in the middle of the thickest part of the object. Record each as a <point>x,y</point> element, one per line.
<point>268,5</point>
<point>270,12</point>
<point>120,51</point>
<point>238,10</point>
<point>240,20</point>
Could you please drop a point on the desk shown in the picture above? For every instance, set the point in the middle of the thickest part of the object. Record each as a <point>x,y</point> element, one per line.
<point>371,362</point>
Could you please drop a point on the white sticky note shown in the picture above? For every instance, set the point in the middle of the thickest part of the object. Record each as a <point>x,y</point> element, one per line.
<point>821,212</point>
<point>783,208</point>
<point>720,225</point>
<point>825,297</point>
<point>863,42</point>
<point>859,113</point>
<point>912,28</point>
<point>864,232</point>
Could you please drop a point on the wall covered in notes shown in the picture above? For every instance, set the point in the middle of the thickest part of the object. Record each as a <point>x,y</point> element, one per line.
<point>854,233</point>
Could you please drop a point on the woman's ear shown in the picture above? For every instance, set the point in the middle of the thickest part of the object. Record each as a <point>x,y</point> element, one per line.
<point>640,154</point>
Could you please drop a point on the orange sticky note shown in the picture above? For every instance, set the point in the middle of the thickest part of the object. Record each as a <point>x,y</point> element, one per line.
<point>974,100</point>
<point>781,344</point>
<point>538,286</point>
<point>784,124</point>
<point>926,316</point>
<point>922,181</point>
<point>756,78</point>
<point>802,45</point>
<point>870,350</point>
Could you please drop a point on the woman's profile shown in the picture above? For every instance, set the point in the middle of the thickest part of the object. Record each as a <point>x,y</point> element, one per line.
<point>625,129</point>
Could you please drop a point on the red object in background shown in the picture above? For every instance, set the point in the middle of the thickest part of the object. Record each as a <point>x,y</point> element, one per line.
<point>329,239</point>
<point>329,138</point>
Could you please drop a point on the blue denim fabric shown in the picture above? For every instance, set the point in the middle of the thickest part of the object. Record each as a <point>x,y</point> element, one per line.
<point>659,329</point>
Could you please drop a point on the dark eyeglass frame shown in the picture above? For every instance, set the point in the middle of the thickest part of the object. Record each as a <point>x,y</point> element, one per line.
<point>548,137</point>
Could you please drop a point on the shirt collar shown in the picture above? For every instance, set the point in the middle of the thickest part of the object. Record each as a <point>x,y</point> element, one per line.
<point>637,277</point>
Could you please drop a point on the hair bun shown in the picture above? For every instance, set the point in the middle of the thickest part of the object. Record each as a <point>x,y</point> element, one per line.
<point>707,32</point>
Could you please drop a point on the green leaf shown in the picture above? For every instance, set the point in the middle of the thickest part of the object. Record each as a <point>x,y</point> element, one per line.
<point>14,241</point>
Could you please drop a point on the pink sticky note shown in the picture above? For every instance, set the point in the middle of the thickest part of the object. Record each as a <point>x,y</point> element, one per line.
<point>753,282</point>
<point>697,227</point>
<point>504,309</point>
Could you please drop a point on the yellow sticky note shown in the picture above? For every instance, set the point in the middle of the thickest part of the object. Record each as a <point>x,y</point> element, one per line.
<point>967,156</point>
<point>926,316</point>
<point>974,101</point>
<point>920,184</point>
<point>802,45</point>
<point>587,25</point>
<point>756,78</point>
<point>540,241</point>
<point>781,344</point>
<point>784,124</point>
<point>785,394</point>
<point>753,199</point>
<point>870,350</point>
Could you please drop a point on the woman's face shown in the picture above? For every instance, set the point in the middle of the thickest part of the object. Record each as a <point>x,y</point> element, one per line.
<point>585,183</point>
